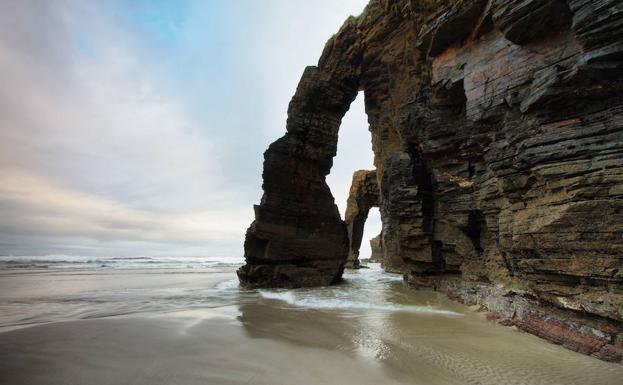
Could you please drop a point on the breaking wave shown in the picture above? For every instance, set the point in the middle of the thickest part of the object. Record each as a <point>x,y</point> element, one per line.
<point>293,299</point>
<point>133,262</point>
<point>365,289</point>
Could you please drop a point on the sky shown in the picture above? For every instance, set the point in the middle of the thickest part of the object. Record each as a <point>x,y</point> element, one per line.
<point>138,127</point>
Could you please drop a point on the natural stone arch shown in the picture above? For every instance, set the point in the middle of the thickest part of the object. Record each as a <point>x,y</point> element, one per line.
<point>364,194</point>
<point>298,237</point>
<point>498,151</point>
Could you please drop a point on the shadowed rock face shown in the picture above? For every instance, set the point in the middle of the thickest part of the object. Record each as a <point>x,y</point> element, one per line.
<point>377,249</point>
<point>497,129</point>
<point>363,195</point>
<point>298,237</point>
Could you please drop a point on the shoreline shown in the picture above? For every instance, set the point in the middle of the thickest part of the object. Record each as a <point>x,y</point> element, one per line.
<point>203,328</point>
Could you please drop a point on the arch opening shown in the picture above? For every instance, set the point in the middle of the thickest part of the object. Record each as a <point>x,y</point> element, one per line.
<point>354,152</point>
<point>364,195</point>
<point>372,237</point>
<point>355,193</point>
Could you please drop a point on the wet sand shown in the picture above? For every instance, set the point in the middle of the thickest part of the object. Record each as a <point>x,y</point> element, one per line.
<point>167,351</point>
<point>252,338</point>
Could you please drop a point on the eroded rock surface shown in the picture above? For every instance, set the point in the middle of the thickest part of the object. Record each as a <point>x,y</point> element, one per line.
<point>497,129</point>
<point>298,237</point>
<point>377,249</point>
<point>363,195</point>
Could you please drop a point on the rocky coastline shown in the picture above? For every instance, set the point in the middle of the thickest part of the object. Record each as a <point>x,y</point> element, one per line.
<point>497,129</point>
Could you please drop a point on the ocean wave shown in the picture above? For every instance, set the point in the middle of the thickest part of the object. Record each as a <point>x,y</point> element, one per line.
<point>131,262</point>
<point>319,302</point>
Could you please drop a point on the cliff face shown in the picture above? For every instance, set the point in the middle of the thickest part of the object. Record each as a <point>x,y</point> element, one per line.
<point>497,129</point>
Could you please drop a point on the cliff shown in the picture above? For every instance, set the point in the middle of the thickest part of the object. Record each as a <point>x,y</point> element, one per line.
<point>497,129</point>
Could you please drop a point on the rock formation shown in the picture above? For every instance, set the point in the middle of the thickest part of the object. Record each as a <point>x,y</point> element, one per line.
<point>364,194</point>
<point>377,249</point>
<point>298,237</point>
<point>497,129</point>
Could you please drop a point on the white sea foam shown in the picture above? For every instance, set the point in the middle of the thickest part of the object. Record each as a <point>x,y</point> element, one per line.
<point>314,300</point>
<point>125,262</point>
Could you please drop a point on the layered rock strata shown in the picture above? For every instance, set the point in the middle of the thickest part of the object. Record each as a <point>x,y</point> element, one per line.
<point>298,237</point>
<point>497,129</point>
<point>363,195</point>
<point>377,249</point>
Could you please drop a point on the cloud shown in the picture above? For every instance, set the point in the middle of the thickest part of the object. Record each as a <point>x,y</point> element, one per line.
<point>40,208</point>
<point>133,128</point>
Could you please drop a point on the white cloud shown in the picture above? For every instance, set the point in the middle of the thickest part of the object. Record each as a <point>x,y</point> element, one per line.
<point>41,208</point>
<point>111,140</point>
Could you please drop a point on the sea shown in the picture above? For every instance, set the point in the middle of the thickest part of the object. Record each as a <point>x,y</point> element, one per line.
<point>53,288</point>
<point>186,320</point>
<point>125,262</point>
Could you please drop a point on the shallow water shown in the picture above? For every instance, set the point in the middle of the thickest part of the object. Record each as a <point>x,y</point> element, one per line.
<point>369,329</point>
<point>365,289</point>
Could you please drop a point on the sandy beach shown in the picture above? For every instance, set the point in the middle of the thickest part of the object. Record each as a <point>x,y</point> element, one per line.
<point>198,327</point>
<point>311,192</point>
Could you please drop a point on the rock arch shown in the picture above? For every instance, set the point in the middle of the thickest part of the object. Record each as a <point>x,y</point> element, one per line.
<point>363,195</point>
<point>298,237</point>
<point>498,151</point>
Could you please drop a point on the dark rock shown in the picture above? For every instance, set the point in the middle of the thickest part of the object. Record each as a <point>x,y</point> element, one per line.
<point>364,194</point>
<point>377,249</point>
<point>451,25</point>
<point>524,20</point>
<point>598,25</point>
<point>498,155</point>
<point>298,237</point>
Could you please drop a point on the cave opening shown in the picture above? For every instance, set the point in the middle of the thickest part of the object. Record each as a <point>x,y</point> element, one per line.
<point>423,177</point>
<point>475,229</point>
<point>424,181</point>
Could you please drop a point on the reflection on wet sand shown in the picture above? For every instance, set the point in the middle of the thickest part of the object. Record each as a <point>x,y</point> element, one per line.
<point>201,328</point>
<point>427,348</point>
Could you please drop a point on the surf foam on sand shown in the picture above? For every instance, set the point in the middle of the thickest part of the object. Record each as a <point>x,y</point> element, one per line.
<point>307,300</point>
